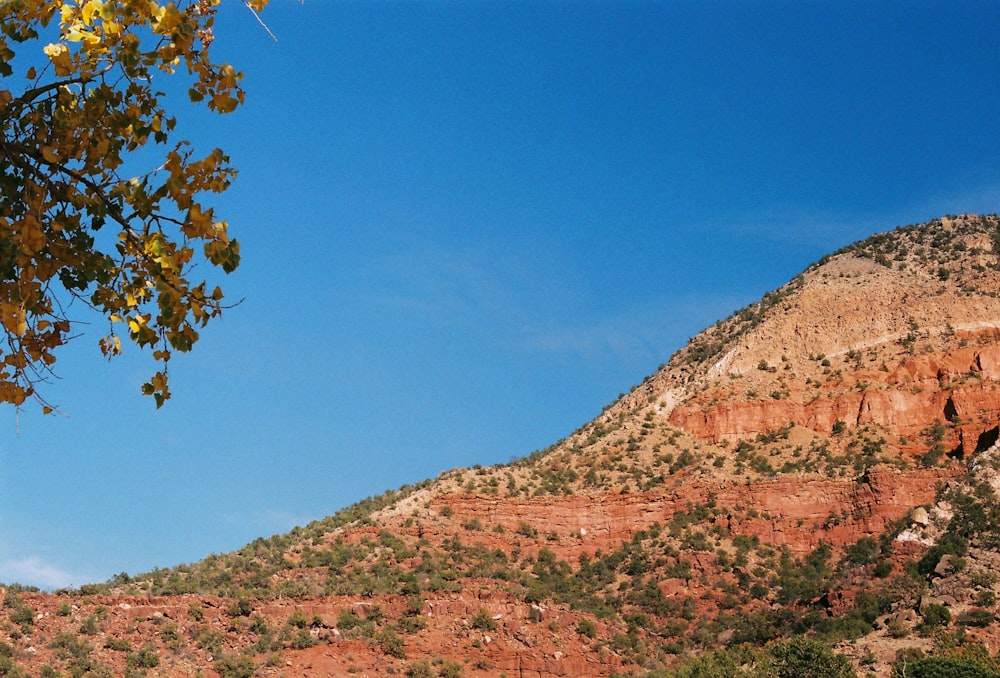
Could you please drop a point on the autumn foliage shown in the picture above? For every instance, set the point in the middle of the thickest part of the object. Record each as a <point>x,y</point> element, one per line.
<point>86,225</point>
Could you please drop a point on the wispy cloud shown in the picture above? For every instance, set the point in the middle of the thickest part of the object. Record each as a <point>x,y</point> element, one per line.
<point>803,225</point>
<point>636,335</point>
<point>264,521</point>
<point>509,303</point>
<point>975,199</point>
<point>452,284</point>
<point>36,571</point>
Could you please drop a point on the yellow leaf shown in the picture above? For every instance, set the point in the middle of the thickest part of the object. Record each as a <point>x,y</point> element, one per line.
<point>50,154</point>
<point>199,223</point>
<point>59,56</point>
<point>90,9</point>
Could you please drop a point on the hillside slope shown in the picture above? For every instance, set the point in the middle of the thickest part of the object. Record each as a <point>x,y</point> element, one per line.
<point>816,471</point>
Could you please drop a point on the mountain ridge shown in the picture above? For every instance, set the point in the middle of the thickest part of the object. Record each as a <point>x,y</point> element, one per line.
<point>805,474</point>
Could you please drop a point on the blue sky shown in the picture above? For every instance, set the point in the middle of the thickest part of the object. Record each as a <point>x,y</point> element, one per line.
<point>468,226</point>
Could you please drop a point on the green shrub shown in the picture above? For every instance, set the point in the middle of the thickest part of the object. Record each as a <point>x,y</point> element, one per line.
<point>298,619</point>
<point>144,659</point>
<point>883,569</point>
<point>392,644</point>
<point>412,624</point>
<point>240,608</point>
<point>89,625</point>
<point>24,616</point>
<point>68,645</point>
<point>347,620</point>
<point>935,615</point>
<point>976,617</point>
<point>229,666</point>
<point>450,669</point>
<point>302,639</point>
<point>863,552</point>
<point>526,530</point>
<point>483,621</point>
<point>940,667</point>
<point>117,644</point>
<point>801,657</point>
<point>420,669</point>
<point>10,669</point>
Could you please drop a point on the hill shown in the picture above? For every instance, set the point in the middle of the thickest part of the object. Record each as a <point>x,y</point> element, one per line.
<point>809,482</point>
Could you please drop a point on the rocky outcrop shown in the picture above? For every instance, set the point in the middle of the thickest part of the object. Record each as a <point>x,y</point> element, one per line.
<point>798,512</point>
<point>957,388</point>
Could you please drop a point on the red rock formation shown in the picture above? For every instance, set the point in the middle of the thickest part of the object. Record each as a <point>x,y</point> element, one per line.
<point>795,512</point>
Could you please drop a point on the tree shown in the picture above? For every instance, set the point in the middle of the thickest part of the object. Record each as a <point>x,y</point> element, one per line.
<point>81,227</point>
<point>801,657</point>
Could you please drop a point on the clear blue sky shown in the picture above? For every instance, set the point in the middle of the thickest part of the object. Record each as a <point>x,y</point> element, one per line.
<point>468,226</point>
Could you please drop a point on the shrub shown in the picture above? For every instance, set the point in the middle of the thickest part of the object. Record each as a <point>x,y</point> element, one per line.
<point>89,625</point>
<point>419,669</point>
<point>229,666</point>
<point>940,667</point>
<point>474,524</point>
<point>347,620</point>
<point>450,669</point>
<point>801,657</point>
<point>144,659</point>
<point>392,644</point>
<point>67,645</point>
<point>412,624</point>
<point>240,608</point>
<point>483,621</point>
<point>117,644</point>
<point>302,639</point>
<point>9,668</point>
<point>526,530</point>
<point>862,552</point>
<point>298,619</point>
<point>935,615</point>
<point>883,568</point>
<point>976,617</point>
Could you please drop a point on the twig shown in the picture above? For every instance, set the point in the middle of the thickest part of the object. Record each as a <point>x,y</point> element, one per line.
<point>259,20</point>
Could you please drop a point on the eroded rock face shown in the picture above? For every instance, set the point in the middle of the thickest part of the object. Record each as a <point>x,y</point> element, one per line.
<point>958,388</point>
<point>787,511</point>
